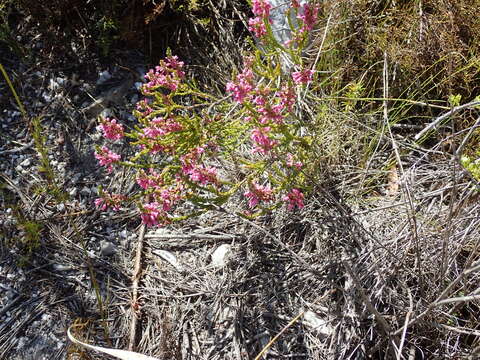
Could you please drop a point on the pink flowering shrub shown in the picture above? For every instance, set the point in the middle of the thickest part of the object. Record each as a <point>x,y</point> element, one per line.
<point>106,158</point>
<point>185,137</point>
<point>111,129</point>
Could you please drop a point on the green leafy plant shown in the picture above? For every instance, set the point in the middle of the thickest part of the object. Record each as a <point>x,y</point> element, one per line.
<point>107,28</point>
<point>194,151</point>
<point>45,167</point>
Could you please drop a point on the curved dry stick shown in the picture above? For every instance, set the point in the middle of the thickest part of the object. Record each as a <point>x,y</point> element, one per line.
<point>119,354</point>
<point>135,281</point>
<point>434,125</point>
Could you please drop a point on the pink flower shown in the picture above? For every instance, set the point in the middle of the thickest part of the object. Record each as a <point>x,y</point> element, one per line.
<point>292,163</point>
<point>257,27</point>
<point>101,203</point>
<point>196,171</point>
<point>261,8</point>
<point>294,199</point>
<point>271,114</point>
<point>144,107</point>
<point>111,130</point>
<point>151,214</point>
<point>309,16</point>
<point>173,63</point>
<point>287,97</point>
<point>108,200</point>
<point>167,75</point>
<point>258,193</point>
<point>242,85</point>
<point>303,77</point>
<point>263,142</point>
<point>201,174</point>
<point>148,181</point>
<point>106,158</point>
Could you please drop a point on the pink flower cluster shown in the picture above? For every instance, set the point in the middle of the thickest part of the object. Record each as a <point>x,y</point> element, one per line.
<point>161,127</point>
<point>261,10</point>
<point>106,158</point>
<point>143,107</point>
<point>111,129</point>
<point>153,215</point>
<point>294,199</point>
<point>168,75</point>
<point>113,201</point>
<point>153,134</point>
<point>262,140</point>
<point>303,77</point>
<point>309,16</point>
<point>287,97</point>
<point>258,193</point>
<point>292,163</point>
<point>195,171</point>
<point>243,83</point>
<point>153,180</point>
<point>165,196</point>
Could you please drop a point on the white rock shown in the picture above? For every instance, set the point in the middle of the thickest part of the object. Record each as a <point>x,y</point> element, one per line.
<point>61,81</point>
<point>170,258</point>
<point>26,162</point>
<point>60,267</point>
<point>107,248</point>
<point>103,77</point>
<point>316,322</point>
<point>220,255</point>
<point>106,113</point>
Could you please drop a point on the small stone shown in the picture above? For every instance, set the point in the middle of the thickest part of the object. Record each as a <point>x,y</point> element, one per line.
<point>106,113</point>
<point>11,294</point>
<point>26,162</point>
<point>170,258</point>
<point>219,256</point>
<point>314,321</point>
<point>103,77</point>
<point>107,248</point>
<point>60,267</point>
<point>61,81</point>
<point>61,207</point>
<point>85,191</point>
<point>53,85</point>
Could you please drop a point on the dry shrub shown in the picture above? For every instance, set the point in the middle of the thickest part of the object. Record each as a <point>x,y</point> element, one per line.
<point>431,46</point>
<point>204,34</point>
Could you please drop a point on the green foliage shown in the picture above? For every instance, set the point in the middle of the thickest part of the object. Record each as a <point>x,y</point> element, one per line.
<point>107,29</point>
<point>472,164</point>
<point>30,235</point>
<point>45,168</point>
